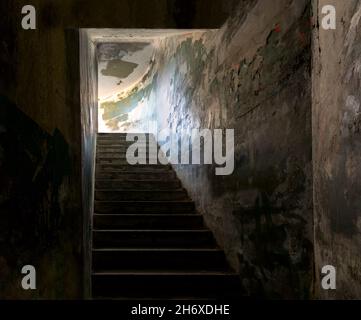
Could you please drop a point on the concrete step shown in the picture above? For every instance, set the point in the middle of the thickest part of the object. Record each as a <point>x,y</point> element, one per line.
<point>159,258</point>
<point>120,134</point>
<point>147,221</point>
<point>136,175</point>
<point>166,285</point>
<point>120,155</point>
<point>121,141</point>
<point>121,137</point>
<point>143,207</point>
<point>100,168</point>
<point>140,195</point>
<point>112,141</point>
<point>124,161</point>
<point>147,239</point>
<point>118,149</point>
<point>117,146</point>
<point>153,239</point>
<point>137,184</point>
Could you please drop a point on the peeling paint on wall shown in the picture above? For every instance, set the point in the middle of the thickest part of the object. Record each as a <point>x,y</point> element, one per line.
<point>262,214</point>
<point>40,76</point>
<point>337,150</point>
<point>122,70</point>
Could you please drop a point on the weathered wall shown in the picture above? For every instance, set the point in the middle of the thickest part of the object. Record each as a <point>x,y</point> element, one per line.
<point>121,66</point>
<point>127,74</point>
<point>40,84</point>
<point>252,76</point>
<point>337,148</point>
<point>39,220</point>
<point>88,111</point>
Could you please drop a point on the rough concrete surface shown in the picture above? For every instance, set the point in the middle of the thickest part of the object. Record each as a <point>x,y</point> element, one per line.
<point>40,83</point>
<point>336,149</point>
<point>290,90</point>
<point>253,76</point>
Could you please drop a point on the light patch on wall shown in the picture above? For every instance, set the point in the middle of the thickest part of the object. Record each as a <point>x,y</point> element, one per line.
<point>131,99</point>
<point>121,67</point>
<point>135,123</point>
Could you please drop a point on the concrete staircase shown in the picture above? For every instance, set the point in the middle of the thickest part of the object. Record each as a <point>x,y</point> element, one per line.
<point>148,241</point>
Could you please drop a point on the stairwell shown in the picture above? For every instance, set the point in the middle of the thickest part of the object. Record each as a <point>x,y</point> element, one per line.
<point>148,241</point>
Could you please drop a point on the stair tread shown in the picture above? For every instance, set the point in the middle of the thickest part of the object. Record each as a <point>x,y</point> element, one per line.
<point>154,230</point>
<point>144,248</point>
<point>144,201</point>
<point>137,165</point>
<point>165,272</point>
<point>140,190</point>
<point>147,168</point>
<point>158,249</point>
<point>131,180</point>
<point>132,172</point>
<point>149,215</point>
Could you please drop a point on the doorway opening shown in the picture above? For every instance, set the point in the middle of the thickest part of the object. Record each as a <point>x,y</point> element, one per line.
<point>127,78</point>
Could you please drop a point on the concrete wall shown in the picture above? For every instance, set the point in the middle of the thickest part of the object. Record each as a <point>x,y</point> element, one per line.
<point>252,76</point>
<point>40,111</point>
<point>89,128</point>
<point>336,148</point>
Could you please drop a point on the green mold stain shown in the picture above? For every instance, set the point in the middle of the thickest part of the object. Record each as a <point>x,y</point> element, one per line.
<point>119,69</point>
<point>194,54</point>
<point>115,112</point>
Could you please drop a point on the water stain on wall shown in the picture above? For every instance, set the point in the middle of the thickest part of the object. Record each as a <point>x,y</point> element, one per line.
<point>127,63</point>
<point>119,69</point>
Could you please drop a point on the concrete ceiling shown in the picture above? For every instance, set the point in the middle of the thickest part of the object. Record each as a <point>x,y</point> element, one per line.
<point>124,56</point>
<point>121,65</point>
<point>122,35</point>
